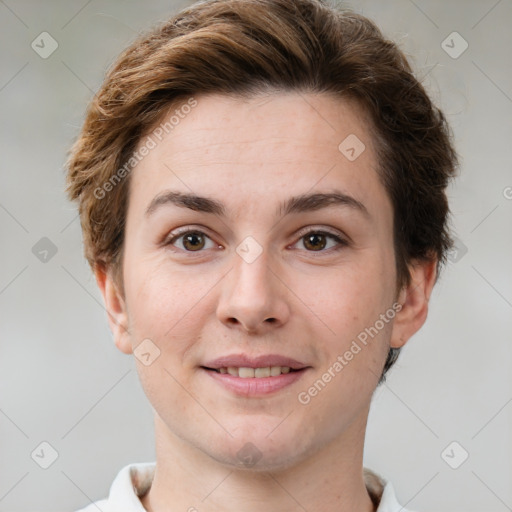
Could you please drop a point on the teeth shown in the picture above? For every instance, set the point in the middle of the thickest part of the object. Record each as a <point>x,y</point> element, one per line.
<point>245,373</point>
<point>262,372</point>
<point>233,371</point>
<point>275,371</point>
<point>249,373</point>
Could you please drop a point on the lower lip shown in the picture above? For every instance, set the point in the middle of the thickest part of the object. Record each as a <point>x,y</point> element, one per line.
<point>256,386</point>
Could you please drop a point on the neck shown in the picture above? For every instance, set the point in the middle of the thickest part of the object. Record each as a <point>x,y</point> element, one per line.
<point>330,480</point>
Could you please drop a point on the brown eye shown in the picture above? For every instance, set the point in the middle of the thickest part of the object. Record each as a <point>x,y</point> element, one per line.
<point>322,242</point>
<point>193,241</point>
<point>315,241</point>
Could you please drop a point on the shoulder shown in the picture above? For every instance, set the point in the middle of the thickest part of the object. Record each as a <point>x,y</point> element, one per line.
<point>131,482</point>
<point>382,493</point>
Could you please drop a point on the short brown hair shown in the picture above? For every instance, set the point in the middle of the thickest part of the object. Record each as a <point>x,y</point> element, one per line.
<point>245,47</point>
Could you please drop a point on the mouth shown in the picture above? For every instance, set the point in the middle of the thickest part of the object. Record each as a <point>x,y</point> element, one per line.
<point>254,376</point>
<point>245,372</point>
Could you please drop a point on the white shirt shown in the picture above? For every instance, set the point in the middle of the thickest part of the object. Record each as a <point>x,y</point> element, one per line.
<point>134,480</point>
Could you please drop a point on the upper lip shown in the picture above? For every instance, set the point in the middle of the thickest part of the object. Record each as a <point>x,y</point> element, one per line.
<point>245,361</point>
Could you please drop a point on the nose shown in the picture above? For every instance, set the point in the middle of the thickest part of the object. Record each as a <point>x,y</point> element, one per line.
<point>254,297</point>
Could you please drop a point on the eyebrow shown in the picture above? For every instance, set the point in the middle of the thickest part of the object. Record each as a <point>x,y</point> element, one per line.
<point>297,204</point>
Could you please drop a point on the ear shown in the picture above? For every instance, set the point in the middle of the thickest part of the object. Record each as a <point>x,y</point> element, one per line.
<point>116,308</point>
<point>414,300</point>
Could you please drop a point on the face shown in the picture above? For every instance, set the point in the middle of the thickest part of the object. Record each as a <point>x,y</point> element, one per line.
<point>254,242</point>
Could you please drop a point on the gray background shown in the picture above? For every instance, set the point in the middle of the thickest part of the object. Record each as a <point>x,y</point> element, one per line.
<point>64,382</point>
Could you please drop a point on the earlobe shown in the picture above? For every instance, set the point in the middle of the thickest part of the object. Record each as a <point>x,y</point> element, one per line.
<point>414,300</point>
<point>116,308</point>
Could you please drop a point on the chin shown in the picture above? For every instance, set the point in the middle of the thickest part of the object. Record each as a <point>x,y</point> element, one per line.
<point>261,447</point>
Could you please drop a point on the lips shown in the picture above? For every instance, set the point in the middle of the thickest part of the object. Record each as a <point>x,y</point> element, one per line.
<point>245,372</point>
<point>242,361</point>
<point>255,377</point>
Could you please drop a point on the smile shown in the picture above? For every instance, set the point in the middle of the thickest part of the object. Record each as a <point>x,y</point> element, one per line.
<point>254,382</point>
<point>254,373</point>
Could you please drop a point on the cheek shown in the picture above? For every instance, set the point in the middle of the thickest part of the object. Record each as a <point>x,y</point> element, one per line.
<point>161,294</point>
<point>165,306</point>
<point>352,298</point>
<point>356,344</point>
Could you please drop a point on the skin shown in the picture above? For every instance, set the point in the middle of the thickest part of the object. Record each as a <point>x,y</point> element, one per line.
<point>198,305</point>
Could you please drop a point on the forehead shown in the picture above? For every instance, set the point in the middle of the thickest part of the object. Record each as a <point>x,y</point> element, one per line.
<point>280,143</point>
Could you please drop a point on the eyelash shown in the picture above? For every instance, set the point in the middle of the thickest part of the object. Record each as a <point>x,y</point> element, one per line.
<point>337,238</point>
